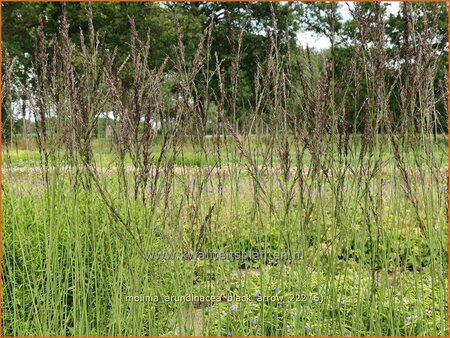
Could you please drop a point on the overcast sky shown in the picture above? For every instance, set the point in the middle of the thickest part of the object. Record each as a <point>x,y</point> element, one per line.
<point>321,42</point>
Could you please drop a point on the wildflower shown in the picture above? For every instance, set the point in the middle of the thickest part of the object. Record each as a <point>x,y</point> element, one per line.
<point>252,322</point>
<point>427,314</point>
<point>255,294</point>
<point>407,318</point>
<point>206,309</point>
<point>307,327</point>
<point>444,187</point>
<point>229,334</point>
<point>232,308</point>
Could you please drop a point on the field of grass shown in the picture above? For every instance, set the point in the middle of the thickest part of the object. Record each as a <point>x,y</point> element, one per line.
<point>306,197</point>
<point>25,153</point>
<point>317,256</point>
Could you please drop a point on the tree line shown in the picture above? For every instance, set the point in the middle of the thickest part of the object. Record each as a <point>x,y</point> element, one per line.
<point>167,23</point>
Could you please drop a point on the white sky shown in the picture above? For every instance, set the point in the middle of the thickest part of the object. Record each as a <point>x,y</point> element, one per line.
<point>317,41</point>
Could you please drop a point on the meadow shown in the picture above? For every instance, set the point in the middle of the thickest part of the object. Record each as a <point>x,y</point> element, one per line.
<point>355,261</point>
<point>281,219</point>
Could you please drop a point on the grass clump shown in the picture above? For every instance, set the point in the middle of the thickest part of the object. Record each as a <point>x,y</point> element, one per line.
<point>320,230</point>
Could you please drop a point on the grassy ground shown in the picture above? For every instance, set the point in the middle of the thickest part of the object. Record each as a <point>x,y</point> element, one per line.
<point>342,257</point>
<point>25,153</point>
